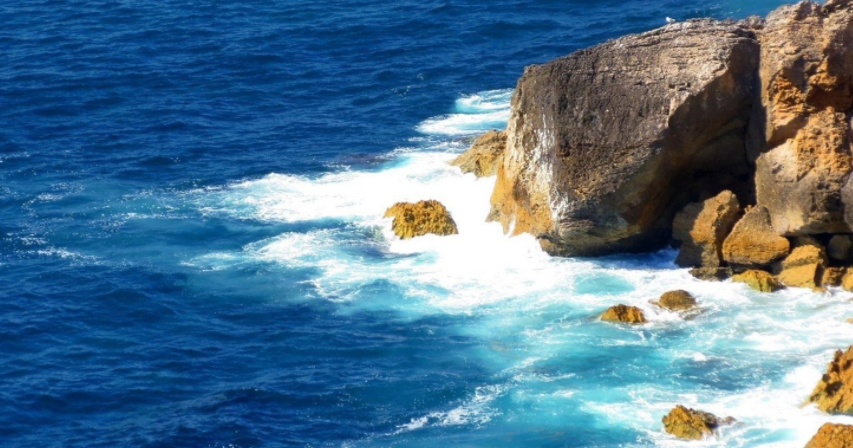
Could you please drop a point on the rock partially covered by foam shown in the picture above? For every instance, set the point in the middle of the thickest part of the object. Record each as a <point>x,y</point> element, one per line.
<point>485,154</point>
<point>690,424</point>
<point>832,435</point>
<point>759,280</point>
<point>676,301</point>
<point>421,218</point>
<point>834,392</point>
<point>624,313</point>
<point>607,144</point>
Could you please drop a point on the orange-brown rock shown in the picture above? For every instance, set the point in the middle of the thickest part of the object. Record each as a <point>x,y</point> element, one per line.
<point>759,280</point>
<point>485,154</point>
<point>847,280</point>
<point>421,218</point>
<point>676,301</point>
<point>607,144</point>
<point>832,435</point>
<point>834,392</point>
<point>624,313</point>
<point>686,423</point>
<point>753,242</point>
<point>832,276</point>
<point>701,227</point>
<point>803,267</point>
<point>803,153</point>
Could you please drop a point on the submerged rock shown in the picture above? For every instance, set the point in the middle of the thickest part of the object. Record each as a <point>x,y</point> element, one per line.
<point>485,154</point>
<point>676,301</point>
<point>832,435</point>
<point>804,266</point>
<point>753,242</point>
<point>802,131</point>
<point>421,218</point>
<point>607,144</point>
<point>759,280</point>
<point>712,274</point>
<point>624,313</point>
<point>686,423</point>
<point>701,227</point>
<point>834,392</point>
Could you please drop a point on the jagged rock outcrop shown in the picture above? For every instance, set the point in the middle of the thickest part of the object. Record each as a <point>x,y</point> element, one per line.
<point>759,280</point>
<point>701,227</point>
<point>804,266</point>
<point>607,144</point>
<point>686,423</point>
<point>624,313</point>
<point>485,154</point>
<point>676,301</point>
<point>832,435</point>
<point>834,392</point>
<point>802,133</point>
<point>753,242</point>
<point>421,218</point>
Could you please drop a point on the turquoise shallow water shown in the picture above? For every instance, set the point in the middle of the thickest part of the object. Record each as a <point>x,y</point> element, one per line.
<point>192,251</point>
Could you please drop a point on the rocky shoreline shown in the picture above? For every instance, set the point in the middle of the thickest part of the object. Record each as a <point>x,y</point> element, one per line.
<point>732,141</point>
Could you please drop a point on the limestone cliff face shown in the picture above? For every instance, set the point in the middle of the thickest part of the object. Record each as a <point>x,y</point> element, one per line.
<point>802,131</point>
<point>607,144</point>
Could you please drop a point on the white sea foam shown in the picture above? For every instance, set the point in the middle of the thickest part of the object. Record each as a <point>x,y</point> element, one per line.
<point>534,311</point>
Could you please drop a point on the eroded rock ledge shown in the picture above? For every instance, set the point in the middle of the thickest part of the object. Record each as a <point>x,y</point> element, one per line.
<point>738,131</point>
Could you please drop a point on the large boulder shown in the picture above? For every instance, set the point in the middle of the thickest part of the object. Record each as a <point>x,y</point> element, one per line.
<point>753,242</point>
<point>421,218</point>
<point>607,144</point>
<point>804,266</point>
<point>802,131</point>
<point>832,435</point>
<point>686,423</point>
<point>701,227</point>
<point>624,313</point>
<point>834,392</point>
<point>485,154</point>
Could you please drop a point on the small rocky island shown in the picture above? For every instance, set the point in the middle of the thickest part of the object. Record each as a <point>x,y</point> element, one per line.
<point>731,140</point>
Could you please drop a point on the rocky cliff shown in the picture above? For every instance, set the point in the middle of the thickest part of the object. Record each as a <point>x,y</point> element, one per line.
<point>607,145</point>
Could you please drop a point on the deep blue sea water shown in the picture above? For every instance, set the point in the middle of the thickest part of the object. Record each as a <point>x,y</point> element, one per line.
<point>192,252</point>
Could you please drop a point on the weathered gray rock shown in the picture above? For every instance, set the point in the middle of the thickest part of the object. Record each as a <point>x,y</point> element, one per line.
<point>801,135</point>
<point>607,144</point>
<point>701,227</point>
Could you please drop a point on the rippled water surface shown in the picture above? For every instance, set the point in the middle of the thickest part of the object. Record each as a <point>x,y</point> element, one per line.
<point>192,249</point>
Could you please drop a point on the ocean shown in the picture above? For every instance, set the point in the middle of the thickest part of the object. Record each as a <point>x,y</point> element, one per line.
<point>193,254</point>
